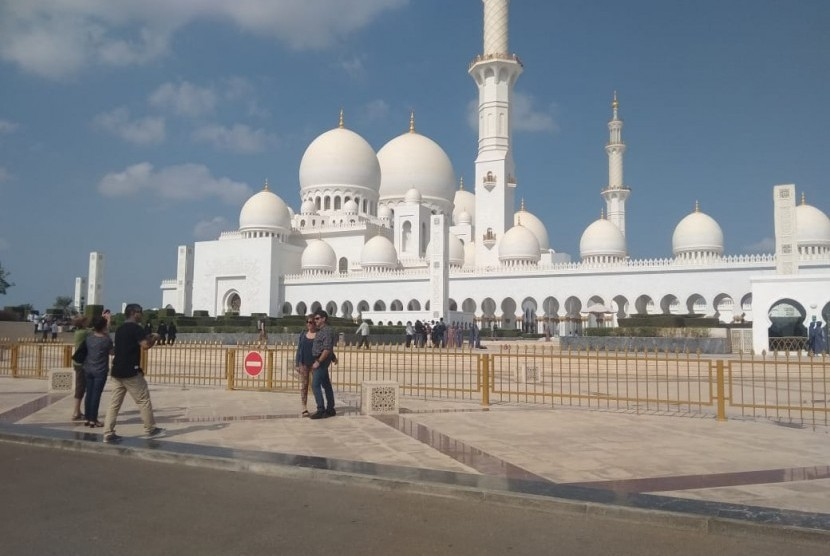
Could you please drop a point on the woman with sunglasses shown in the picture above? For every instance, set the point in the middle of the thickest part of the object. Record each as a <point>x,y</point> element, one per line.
<point>304,359</point>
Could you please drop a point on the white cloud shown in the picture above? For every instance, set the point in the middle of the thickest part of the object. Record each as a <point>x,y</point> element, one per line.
<point>7,127</point>
<point>525,116</point>
<point>184,99</point>
<point>239,139</point>
<point>376,110</point>
<point>210,229</point>
<point>353,67</point>
<point>142,131</point>
<point>766,245</point>
<point>176,183</point>
<point>58,38</point>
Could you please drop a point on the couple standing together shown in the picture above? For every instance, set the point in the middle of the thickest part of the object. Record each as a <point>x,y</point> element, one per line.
<point>315,352</point>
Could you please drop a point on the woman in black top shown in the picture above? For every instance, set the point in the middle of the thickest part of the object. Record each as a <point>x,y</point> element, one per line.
<point>304,360</point>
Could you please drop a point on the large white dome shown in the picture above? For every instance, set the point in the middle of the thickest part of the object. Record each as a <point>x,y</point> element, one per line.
<point>532,223</point>
<point>812,226</point>
<point>264,211</point>
<point>464,201</point>
<point>602,239</point>
<point>697,233</point>
<point>379,253</point>
<point>318,256</point>
<point>340,157</point>
<point>519,245</point>
<point>413,160</point>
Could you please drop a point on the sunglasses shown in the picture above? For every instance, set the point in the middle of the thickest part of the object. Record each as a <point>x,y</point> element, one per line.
<point>309,322</point>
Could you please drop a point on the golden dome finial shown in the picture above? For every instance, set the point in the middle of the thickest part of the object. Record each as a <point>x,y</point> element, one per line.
<point>461,184</point>
<point>266,185</point>
<point>803,198</point>
<point>340,125</point>
<point>412,122</point>
<point>697,206</point>
<point>615,103</point>
<point>522,207</point>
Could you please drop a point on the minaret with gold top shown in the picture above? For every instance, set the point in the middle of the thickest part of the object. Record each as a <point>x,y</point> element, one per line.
<point>616,193</point>
<point>495,72</point>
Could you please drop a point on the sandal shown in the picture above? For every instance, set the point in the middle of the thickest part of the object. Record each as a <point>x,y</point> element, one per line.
<point>96,424</point>
<point>304,413</point>
<point>78,417</point>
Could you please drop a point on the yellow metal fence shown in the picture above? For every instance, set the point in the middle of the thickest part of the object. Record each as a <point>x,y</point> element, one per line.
<point>790,388</point>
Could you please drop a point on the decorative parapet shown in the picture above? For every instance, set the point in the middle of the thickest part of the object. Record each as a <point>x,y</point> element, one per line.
<point>231,235</point>
<point>503,57</point>
<point>169,284</point>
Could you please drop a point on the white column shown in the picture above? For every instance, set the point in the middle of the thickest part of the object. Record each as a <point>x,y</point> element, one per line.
<point>439,267</point>
<point>616,193</point>
<point>786,248</point>
<point>95,279</point>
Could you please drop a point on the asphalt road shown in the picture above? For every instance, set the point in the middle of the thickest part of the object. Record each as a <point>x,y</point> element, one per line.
<point>61,502</point>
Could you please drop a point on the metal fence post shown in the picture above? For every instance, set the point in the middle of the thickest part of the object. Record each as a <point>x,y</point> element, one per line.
<point>15,359</point>
<point>230,367</point>
<point>485,380</point>
<point>721,390</point>
<point>269,369</point>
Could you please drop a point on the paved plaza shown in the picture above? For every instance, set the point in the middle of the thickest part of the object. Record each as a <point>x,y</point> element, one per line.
<point>763,474</point>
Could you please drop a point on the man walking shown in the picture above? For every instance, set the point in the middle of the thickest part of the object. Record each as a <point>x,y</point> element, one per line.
<point>363,335</point>
<point>127,375</point>
<point>323,352</point>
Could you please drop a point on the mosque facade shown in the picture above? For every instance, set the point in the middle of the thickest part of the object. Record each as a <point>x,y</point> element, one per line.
<point>391,235</point>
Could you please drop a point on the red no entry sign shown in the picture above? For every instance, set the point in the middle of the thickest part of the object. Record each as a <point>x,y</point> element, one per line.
<point>253,363</point>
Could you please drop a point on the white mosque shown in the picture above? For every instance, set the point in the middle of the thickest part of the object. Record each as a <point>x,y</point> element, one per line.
<point>392,236</point>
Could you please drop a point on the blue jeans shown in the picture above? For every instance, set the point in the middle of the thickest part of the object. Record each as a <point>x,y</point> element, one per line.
<point>94,387</point>
<point>320,381</point>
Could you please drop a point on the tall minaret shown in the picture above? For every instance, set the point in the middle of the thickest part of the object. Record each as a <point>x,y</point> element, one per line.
<point>495,72</point>
<point>616,193</point>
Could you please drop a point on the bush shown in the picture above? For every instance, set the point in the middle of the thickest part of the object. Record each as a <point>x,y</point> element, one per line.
<point>6,315</point>
<point>201,314</point>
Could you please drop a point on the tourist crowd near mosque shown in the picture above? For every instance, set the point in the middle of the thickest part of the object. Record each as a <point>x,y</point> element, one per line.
<point>395,236</point>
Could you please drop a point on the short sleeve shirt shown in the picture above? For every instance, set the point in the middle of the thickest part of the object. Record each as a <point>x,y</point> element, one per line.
<point>127,360</point>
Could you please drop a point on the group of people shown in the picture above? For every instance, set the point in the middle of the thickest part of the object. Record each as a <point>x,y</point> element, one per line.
<point>438,334</point>
<point>816,337</point>
<point>315,354</point>
<point>166,332</point>
<point>92,370</point>
<point>44,328</point>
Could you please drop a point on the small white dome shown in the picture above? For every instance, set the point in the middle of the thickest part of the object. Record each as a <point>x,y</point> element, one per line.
<point>463,217</point>
<point>464,201</point>
<point>413,160</point>
<point>384,212</point>
<point>379,252</point>
<point>318,256</point>
<point>532,223</point>
<point>812,227</point>
<point>470,254</point>
<point>350,207</point>
<point>264,211</point>
<point>519,244</point>
<point>412,196</point>
<point>456,254</point>
<point>602,239</point>
<point>340,157</point>
<point>308,207</point>
<point>697,233</point>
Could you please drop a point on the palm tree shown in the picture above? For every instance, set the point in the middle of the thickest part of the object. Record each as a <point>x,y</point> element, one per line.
<point>63,303</point>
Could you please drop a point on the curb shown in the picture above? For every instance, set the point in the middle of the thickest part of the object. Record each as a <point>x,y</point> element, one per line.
<point>412,480</point>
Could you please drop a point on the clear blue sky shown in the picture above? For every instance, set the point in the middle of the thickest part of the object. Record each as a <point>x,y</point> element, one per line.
<point>134,127</point>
